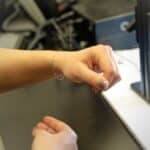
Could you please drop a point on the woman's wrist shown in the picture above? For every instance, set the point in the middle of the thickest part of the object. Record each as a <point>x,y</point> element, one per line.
<point>58,60</point>
<point>61,59</point>
<point>51,61</point>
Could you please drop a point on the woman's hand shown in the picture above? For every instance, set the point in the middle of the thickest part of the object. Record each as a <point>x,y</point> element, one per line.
<point>95,66</point>
<point>52,134</point>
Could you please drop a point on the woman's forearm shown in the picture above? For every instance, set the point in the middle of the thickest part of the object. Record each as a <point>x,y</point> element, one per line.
<point>19,68</point>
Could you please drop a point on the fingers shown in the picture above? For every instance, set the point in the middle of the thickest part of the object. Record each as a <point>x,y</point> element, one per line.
<point>94,79</point>
<point>107,64</point>
<point>59,126</point>
<point>36,131</point>
<point>55,124</point>
<point>43,126</point>
<point>116,75</point>
<point>52,125</point>
<point>39,127</point>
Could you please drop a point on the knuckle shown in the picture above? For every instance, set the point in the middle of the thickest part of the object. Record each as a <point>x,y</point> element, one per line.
<point>102,47</point>
<point>108,47</point>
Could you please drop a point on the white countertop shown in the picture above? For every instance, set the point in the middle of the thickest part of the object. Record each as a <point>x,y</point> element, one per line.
<point>133,111</point>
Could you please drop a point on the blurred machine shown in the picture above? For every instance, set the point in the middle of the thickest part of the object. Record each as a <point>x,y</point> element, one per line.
<point>142,25</point>
<point>71,24</point>
<point>58,28</point>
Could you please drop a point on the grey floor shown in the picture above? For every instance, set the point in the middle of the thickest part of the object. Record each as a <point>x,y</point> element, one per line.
<point>96,126</point>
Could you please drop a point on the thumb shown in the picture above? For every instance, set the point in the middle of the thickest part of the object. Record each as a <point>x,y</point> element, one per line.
<point>92,78</point>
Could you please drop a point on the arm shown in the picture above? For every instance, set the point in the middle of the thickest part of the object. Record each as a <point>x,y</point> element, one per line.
<point>19,68</point>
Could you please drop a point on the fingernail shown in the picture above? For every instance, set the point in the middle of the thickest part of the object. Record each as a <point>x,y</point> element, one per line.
<point>104,84</point>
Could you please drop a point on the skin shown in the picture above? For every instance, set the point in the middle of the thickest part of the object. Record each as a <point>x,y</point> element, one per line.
<point>53,134</point>
<point>19,68</point>
<point>94,66</point>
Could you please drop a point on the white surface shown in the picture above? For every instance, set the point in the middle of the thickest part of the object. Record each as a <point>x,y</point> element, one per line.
<point>131,108</point>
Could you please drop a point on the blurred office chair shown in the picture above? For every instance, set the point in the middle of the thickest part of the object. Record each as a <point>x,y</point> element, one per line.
<point>22,25</point>
<point>29,19</point>
<point>33,11</point>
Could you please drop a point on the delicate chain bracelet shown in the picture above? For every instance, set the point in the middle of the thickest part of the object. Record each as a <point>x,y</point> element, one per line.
<point>58,77</point>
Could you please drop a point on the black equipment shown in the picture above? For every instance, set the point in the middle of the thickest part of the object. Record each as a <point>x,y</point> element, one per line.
<point>143,38</point>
